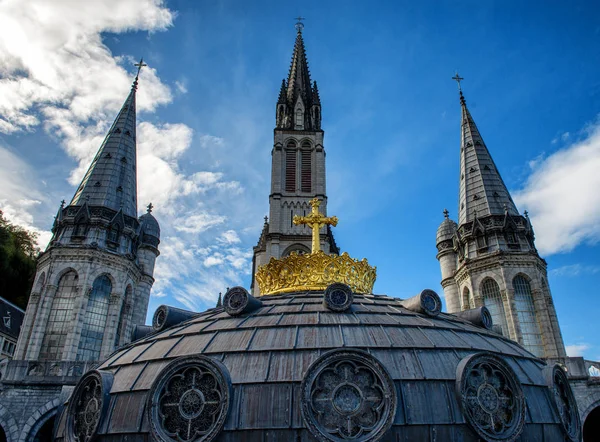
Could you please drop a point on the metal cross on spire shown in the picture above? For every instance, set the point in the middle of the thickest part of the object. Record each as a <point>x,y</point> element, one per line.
<point>150,207</point>
<point>315,221</point>
<point>299,25</point>
<point>139,65</point>
<point>458,79</point>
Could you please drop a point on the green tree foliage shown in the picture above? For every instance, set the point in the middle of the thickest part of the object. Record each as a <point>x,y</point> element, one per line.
<point>18,253</point>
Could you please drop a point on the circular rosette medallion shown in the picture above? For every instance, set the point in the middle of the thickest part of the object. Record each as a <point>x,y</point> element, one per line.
<point>236,300</point>
<point>348,395</point>
<point>491,397</point>
<point>338,297</point>
<point>88,404</point>
<point>190,400</point>
<point>565,401</point>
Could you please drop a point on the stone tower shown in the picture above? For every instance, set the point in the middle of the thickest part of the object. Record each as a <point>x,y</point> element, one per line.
<point>298,167</point>
<point>489,258</point>
<point>93,282</point>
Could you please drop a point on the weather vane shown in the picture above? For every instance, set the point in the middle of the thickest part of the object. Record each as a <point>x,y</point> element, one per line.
<point>299,25</point>
<point>458,79</point>
<point>139,65</point>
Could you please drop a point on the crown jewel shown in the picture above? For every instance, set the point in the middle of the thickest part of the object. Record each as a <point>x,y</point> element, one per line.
<point>317,270</point>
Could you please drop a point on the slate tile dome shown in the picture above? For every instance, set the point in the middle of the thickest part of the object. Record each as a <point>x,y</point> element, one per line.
<point>387,372</point>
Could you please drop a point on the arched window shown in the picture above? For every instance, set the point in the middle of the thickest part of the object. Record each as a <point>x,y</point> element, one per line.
<point>60,318</point>
<point>466,299</point>
<point>492,299</point>
<point>94,321</point>
<point>290,167</point>
<point>122,318</point>
<point>299,117</point>
<point>530,329</point>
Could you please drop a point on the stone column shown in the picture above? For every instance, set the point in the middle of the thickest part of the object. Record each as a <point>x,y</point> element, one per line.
<point>112,322</point>
<point>512,320</point>
<point>39,327</point>
<point>28,324</point>
<point>543,320</point>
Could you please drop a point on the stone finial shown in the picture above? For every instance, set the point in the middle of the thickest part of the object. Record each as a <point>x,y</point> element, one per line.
<point>446,213</point>
<point>149,208</point>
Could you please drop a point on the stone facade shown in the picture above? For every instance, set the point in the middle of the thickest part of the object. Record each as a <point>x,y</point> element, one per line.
<point>91,288</point>
<point>298,168</point>
<point>489,259</point>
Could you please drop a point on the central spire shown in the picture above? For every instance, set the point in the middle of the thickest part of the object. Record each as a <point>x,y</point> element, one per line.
<point>298,105</point>
<point>482,190</point>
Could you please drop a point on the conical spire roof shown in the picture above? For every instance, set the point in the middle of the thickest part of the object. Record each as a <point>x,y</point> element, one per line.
<point>482,190</point>
<point>111,178</point>
<point>298,83</point>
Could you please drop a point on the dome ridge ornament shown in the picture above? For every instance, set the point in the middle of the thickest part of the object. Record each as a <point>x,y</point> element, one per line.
<point>317,270</point>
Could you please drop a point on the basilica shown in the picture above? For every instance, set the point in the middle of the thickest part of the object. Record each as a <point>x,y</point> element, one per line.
<point>308,352</point>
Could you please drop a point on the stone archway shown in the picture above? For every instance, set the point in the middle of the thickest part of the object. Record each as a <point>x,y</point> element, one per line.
<point>8,425</point>
<point>39,427</point>
<point>591,425</point>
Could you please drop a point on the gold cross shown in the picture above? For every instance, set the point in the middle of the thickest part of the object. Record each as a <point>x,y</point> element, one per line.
<point>315,221</point>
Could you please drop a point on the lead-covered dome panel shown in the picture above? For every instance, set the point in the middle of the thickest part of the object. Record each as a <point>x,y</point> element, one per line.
<point>268,352</point>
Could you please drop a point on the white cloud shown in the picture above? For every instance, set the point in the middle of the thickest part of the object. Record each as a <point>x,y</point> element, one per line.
<point>198,223</point>
<point>562,195</point>
<point>213,261</point>
<point>575,270</point>
<point>576,349</point>
<point>19,195</point>
<point>210,141</point>
<point>229,237</point>
<point>181,87</point>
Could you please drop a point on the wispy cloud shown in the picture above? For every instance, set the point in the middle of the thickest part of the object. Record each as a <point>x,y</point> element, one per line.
<point>574,350</point>
<point>56,73</point>
<point>562,195</point>
<point>575,270</point>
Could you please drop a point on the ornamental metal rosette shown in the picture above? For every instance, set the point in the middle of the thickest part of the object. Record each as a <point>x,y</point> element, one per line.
<point>491,397</point>
<point>564,400</point>
<point>88,406</point>
<point>189,400</point>
<point>348,395</point>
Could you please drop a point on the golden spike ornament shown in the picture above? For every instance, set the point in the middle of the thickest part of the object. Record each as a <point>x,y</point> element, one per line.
<point>317,270</point>
<point>315,221</point>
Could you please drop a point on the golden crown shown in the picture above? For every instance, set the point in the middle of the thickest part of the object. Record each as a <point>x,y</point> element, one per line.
<point>315,271</point>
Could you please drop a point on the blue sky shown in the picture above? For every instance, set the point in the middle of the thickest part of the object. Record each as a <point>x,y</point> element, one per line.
<point>206,108</point>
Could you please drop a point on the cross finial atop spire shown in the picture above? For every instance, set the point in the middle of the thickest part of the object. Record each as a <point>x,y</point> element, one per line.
<point>266,219</point>
<point>446,213</point>
<point>139,65</point>
<point>149,207</point>
<point>458,79</point>
<point>299,25</point>
<point>62,204</point>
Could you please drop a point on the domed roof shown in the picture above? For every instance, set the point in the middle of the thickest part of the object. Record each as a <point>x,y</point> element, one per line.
<point>149,225</point>
<point>294,369</point>
<point>446,230</point>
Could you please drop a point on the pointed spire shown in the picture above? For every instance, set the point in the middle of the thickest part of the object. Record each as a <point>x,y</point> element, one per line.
<point>219,301</point>
<point>482,189</point>
<point>282,93</point>
<point>111,178</point>
<point>298,83</point>
<point>316,96</point>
